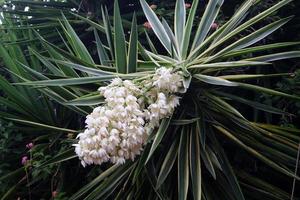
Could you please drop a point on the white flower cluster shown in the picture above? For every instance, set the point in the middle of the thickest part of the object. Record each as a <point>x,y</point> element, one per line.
<point>118,130</point>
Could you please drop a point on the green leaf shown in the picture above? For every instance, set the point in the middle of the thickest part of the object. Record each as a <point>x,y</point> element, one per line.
<point>223,104</point>
<point>77,45</point>
<point>266,90</point>
<point>226,167</point>
<point>9,194</point>
<point>109,185</point>
<point>41,125</point>
<point>119,41</point>
<point>183,121</point>
<point>201,128</point>
<point>60,54</point>
<point>227,65</point>
<point>82,68</point>
<point>150,43</point>
<point>208,163</point>
<point>253,37</point>
<point>103,57</point>
<point>228,32</point>
<point>132,51</point>
<point>179,21</point>
<point>14,94</point>
<point>254,104</point>
<point>47,63</point>
<point>260,48</point>
<point>61,157</point>
<point>13,174</point>
<point>188,29</point>
<point>255,153</point>
<point>90,100</point>
<point>253,76</point>
<point>70,81</point>
<point>164,125</point>
<point>168,163</point>
<point>183,164</point>
<point>195,164</point>
<point>90,22</point>
<point>157,26</point>
<point>214,80</point>
<point>276,56</point>
<point>12,105</point>
<point>259,185</point>
<point>214,158</point>
<point>58,94</point>
<point>174,44</point>
<point>8,61</point>
<point>108,32</point>
<point>79,194</point>
<point>207,20</point>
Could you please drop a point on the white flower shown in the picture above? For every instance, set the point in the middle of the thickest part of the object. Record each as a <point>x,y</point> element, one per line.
<point>165,80</point>
<point>113,128</point>
<point>118,130</point>
<point>116,82</point>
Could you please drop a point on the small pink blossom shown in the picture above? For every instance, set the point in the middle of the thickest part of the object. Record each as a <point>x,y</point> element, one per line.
<point>188,5</point>
<point>214,26</point>
<point>29,145</point>
<point>24,160</point>
<point>153,7</point>
<point>147,25</point>
<point>54,194</point>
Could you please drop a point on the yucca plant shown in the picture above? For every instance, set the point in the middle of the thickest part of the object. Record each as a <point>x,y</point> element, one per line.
<point>186,156</point>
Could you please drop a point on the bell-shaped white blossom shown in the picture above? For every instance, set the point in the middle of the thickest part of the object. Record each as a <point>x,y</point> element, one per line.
<point>167,81</point>
<point>118,130</point>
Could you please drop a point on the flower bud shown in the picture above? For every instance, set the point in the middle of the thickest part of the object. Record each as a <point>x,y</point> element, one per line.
<point>29,145</point>
<point>214,26</point>
<point>187,5</point>
<point>153,7</point>
<point>147,25</point>
<point>54,194</point>
<point>24,160</point>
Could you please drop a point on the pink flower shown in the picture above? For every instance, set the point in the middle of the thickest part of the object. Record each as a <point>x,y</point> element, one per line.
<point>54,194</point>
<point>214,26</point>
<point>29,145</point>
<point>188,5</point>
<point>153,7</point>
<point>24,160</point>
<point>147,25</point>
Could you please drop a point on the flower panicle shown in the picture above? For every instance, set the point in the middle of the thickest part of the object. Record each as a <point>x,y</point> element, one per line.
<point>118,130</point>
